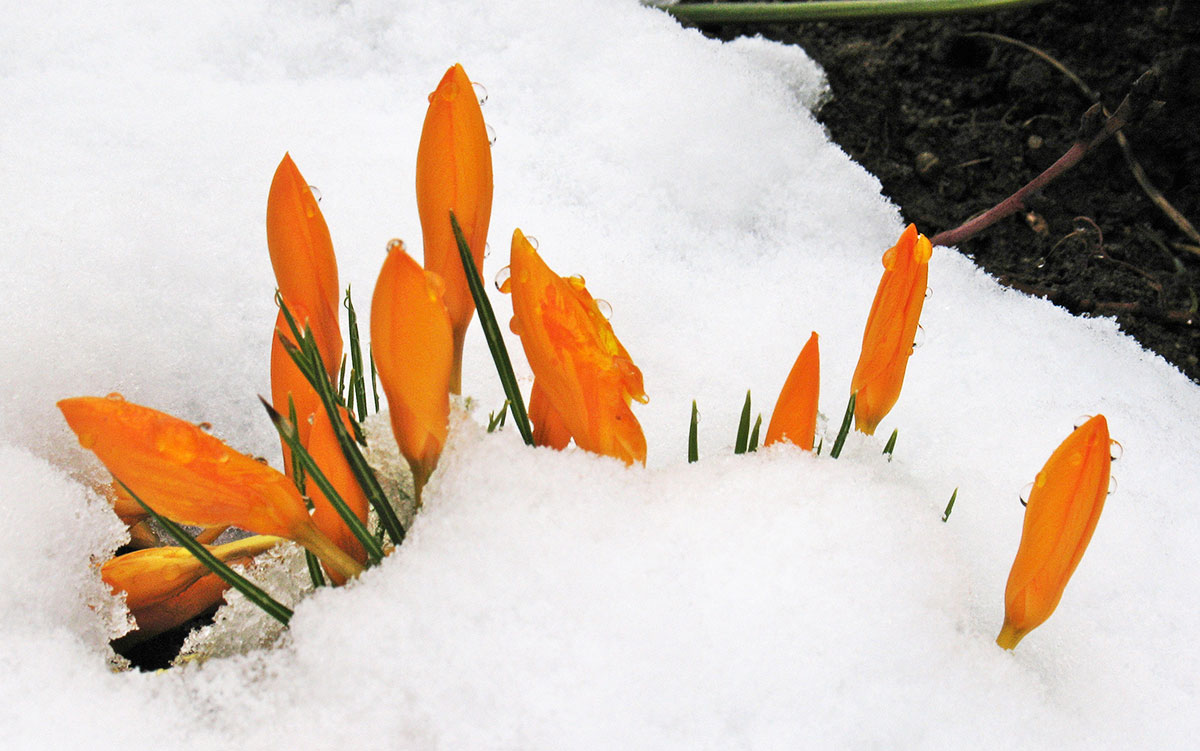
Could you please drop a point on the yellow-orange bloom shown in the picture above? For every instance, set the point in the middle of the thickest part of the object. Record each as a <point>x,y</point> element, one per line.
<point>413,348</point>
<point>795,415</point>
<point>585,374</point>
<point>325,450</point>
<point>1060,516</point>
<point>149,576</point>
<point>303,260</point>
<point>192,477</point>
<point>178,609</point>
<point>454,173</point>
<point>891,329</point>
<point>288,381</point>
<point>548,426</point>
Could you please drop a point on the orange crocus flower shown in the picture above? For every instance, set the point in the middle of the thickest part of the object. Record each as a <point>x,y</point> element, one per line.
<point>454,173</point>
<point>585,374</point>
<point>795,416</point>
<point>891,328</point>
<point>413,346</point>
<point>178,609</point>
<point>1060,516</point>
<point>325,450</point>
<point>192,477</point>
<point>303,260</point>
<point>548,426</point>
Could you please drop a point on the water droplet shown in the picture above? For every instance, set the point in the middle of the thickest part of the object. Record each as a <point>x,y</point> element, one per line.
<point>316,193</point>
<point>115,396</point>
<point>261,460</point>
<point>177,443</point>
<point>1115,450</point>
<point>1025,493</point>
<point>533,241</point>
<point>577,282</point>
<point>604,308</point>
<point>487,249</point>
<point>1041,263</point>
<point>919,337</point>
<point>205,426</point>
<point>1079,421</point>
<point>502,279</point>
<point>491,135</point>
<point>928,292</point>
<point>394,243</point>
<point>1112,484</point>
<point>480,92</point>
<point>889,258</point>
<point>223,458</point>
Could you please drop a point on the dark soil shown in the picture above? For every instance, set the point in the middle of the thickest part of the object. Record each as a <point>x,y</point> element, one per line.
<point>952,123</point>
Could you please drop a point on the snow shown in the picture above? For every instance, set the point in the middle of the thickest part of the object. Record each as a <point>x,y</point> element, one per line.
<point>544,599</point>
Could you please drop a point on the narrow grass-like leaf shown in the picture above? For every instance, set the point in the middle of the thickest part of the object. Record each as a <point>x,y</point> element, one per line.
<point>754,434</point>
<point>314,569</point>
<point>843,431</point>
<point>820,445</point>
<point>950,505</point>
<point>358,385</point>
<point>890,446</point>
<point>693,435</point>
<point>491,332</point>
<point>287,431</point>
<point>314,566</point>
<point>743,434</point>
<point>341,389</point>
<point>374,380</point>
<point>308,360</point>
<point>497,420</point>
<point>269,605</point>
<point>829,10</point>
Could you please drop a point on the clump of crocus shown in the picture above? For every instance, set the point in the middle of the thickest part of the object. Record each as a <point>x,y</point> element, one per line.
<point>795,416</point>
<point>1060,516</point>
<point>584,379</point>
<point>891,329</point>
<point>454,173</point>
<point>166,586</point>
<point>413,343</point>
<point>191,477</point>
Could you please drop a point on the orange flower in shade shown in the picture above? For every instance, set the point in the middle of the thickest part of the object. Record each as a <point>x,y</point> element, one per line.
<point>454,173</point>
<point>586,377</point>
<point>288,381</point>
<point>413,347</point>
<point>891,328</point>
<point>192,477</point>
<point>795,415</point>
<point>1060,516</point>
<point>303,260</point>
<point>166,587</point>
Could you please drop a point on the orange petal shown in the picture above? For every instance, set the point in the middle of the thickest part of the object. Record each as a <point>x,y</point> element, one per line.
<point>177,610</point>
<point>454,173</point>
<point>891,328</point>
<point>302,256</point>
<point>548,426</point>
<point>287,380</point>
<point>413,348</point>
<point>585,373</point>
<point>795,415</point>
<point>152,575</point>
<point>184,473</point>
<point>1060,516</point>
<point>324,448</point>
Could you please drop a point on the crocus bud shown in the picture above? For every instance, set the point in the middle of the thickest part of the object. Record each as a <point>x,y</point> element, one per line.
<point>454,173</point>
<point>585,374</point>
<point>795,416</point>
<point>891,329</point>
<point>303,260</point>
<point>1060,516</point>
<point>413,347</point>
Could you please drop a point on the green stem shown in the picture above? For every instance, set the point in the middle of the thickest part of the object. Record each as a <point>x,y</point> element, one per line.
<point>836,451</point>
<point>833,10</point>
<point>693,442</point>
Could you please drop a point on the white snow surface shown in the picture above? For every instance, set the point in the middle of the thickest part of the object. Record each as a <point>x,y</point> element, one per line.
<point>561,600</point>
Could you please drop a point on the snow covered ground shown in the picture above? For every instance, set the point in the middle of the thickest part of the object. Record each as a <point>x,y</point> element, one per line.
<point>560,600</point>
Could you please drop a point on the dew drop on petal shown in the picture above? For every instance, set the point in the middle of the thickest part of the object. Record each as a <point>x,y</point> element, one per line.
<point>533,241</point>
<point>1112,484</point>
<point>919,336</point>
<point>1025,492</point>
<point>577,282</point>
<point>205,426</point>
<point>928,292</point>
<point>316,193</point>
<point>491,135</point>
<point>1079,421</point>
<point>502,279</point>
<point>480,92</point>
<point>487,249</point>
<point>394,243</point>
<point>604,308</point>
<point>889,258</point>
<point>1115,450</point>
<point>176,443</point>
<point>115,396</point>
